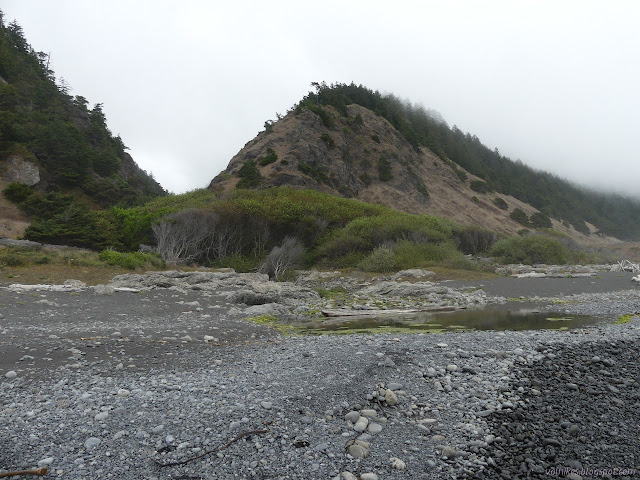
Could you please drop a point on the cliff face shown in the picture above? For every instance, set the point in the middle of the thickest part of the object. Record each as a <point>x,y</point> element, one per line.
<point>363,156</point>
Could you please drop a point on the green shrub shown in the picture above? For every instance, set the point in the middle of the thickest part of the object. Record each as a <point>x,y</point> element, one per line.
<point>540,220</point>
<point>270,157</point>
<point>474,240</point>
<point>415,254</point>
<point>461,174</point>
<point>519,216</point>
<point>531,249</point>
<point>475,199</point>
<point>374,231</point>
<point>375,138</point>
<point>250,176</point>
<point>240,263</point>
<point>581,227</point>
<point>385,172</point>
<point>382,259</point>
<point>480,186</point>
<point>366,179</point>
<point>500,203</point>
<point>328,140</point>
<point>131,260</point>
<point>17,192</point>
<point>42,260</point>
<point>13,260</point>
<point>325,116</point>
<point>332,292</point>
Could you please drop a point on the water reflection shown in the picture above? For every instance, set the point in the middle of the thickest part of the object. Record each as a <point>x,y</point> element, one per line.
<point>463,320</point>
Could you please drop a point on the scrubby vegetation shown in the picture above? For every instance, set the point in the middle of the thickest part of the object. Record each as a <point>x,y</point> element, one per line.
<point>500,203</point>
<point>131,260</point>
<point>278,229</point>
<point>532,249</point>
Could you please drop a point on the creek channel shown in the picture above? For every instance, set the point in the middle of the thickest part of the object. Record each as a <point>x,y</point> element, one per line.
<point>509,316</point>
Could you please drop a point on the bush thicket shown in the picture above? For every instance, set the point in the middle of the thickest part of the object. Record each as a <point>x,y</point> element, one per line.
<point>531,249</point>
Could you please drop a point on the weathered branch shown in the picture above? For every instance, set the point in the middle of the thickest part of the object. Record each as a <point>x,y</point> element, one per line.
<point>217,449</point>
<point>38,471</point>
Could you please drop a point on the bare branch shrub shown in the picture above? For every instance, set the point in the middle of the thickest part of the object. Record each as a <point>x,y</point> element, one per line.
<point>475,240</point>
<point>186,236</point>
<point>283,258</point>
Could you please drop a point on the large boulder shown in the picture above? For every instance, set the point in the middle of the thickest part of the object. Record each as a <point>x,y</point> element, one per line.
<point>19,170</point>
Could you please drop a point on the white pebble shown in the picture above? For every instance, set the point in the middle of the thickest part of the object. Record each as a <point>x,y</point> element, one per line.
<point>397,464</point>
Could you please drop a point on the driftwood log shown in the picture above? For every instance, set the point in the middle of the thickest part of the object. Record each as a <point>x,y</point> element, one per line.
<point>345,312</point>
<point>626,266</point>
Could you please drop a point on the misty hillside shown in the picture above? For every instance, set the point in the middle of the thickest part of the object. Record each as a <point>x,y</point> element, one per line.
<point>351,141</point>
<point>57,156</point>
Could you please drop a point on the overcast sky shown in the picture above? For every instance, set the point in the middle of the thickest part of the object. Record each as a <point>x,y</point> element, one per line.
<point>187,83</point>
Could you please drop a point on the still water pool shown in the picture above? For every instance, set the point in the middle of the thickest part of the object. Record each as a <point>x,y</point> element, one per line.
<point>462,320</point>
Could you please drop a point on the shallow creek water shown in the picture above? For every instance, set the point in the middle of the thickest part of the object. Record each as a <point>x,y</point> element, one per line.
<point>506,317</point>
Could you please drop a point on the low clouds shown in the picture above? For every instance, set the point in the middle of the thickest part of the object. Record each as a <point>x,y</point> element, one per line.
<point>187,84</point>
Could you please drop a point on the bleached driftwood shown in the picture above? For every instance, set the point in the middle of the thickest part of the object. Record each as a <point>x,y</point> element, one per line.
<point>626,266</point>
<point>345,312</point>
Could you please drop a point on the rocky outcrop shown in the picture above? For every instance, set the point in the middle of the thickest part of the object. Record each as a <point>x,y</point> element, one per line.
<point>19,170</point>
<point>241,288</point>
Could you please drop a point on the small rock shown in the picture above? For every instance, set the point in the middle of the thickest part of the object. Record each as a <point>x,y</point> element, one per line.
<point>438,438</point>
<point>361,424</point>
<point>101,416</point>
<point>123,392</point>
<point>374,428</point>
<point>11,374</point>
<point>266,405</point>
<point>550,441</point>
<point>397,464</point>
<point>572,386</point>
<point>390,397</point>
<point>369,412</point>
<point>452,367</point>
<point>369,476</point>
<point>45,462</point>
<point>358,448</point>
<point>449,452</point>
<point>348,476</point>
<point>92,442</point>
<point>352,417</point>
<point>394,386</point>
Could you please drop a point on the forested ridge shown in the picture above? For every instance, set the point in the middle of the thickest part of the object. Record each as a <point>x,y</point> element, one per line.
<point>612,214</point>
<point>83,167</point>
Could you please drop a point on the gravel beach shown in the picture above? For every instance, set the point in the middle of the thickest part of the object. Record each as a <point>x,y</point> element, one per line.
<point>115,384</point>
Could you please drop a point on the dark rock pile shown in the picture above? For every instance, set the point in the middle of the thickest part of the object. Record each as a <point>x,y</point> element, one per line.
<point>579,418</point>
